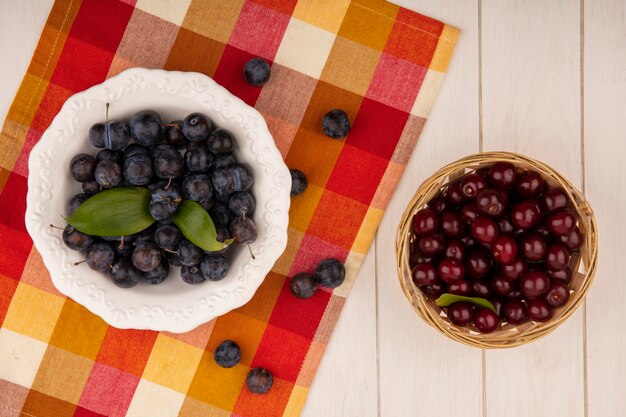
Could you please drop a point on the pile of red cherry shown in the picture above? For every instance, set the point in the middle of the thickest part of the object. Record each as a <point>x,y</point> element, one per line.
<point>498,233</point>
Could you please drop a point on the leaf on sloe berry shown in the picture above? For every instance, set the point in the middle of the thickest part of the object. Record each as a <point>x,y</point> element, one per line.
<point>447,299</point>
<point>197,226</point>
<point>116,212</point>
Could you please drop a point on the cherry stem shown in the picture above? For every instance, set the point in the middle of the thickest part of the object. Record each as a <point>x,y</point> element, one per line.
<point>169,182</point>
<point>80,262</point>
<point>106,112</point>
<point>170,251</point>
<point>121,245</point>
<point>57,227</point>
<point>251,254</point>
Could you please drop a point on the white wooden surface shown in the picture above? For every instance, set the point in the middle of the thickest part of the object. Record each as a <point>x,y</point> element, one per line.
<point>547,79</point>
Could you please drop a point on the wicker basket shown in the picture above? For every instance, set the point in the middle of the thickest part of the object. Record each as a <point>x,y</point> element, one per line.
<point>582,263</point>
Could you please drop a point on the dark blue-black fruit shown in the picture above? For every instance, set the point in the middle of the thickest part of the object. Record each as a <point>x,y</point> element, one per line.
<point>197,127</point>
<point>241,203</point>
<point>303,285</point>
<point>256,72</point>
<point>138,169</point>
<point>197,187</point>
<point>82,167</point>
<point>298,182</point>
<point>221,142</point>
<point>214,268</point>
<point>124,274</point>
<point>110,135</point>
<point>330,273</point>
<point>100,256</point>
<point>174,134</point>
<point>189,253</point>
<point>168,162</point>
<point>336,124</point>
<point>146,128</point>
<point>227,354</point>
<point>259,380</point>
<point>75,239</point>
<point>108,173</point>
<point>191,274</point>
<point>158,274</point>
<point>75,202</point>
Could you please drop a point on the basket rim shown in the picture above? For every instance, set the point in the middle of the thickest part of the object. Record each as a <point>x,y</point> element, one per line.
<point>501,338</point>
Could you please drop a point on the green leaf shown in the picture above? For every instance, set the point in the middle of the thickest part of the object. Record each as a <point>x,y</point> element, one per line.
<point>446,299</point>
<point>196,225</point>
<point>116,212</point>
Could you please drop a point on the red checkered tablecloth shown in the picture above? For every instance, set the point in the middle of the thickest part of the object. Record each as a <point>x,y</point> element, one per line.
<point>380,63</point>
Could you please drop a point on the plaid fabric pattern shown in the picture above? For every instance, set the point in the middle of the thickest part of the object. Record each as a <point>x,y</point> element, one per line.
<point>380,63</point>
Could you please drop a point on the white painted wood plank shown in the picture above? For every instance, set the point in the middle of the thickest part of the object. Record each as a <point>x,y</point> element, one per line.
<point>21,24</point>
<point>422,373</point>
<point>531,104</point>
<point>346,382</point>
<point>605,150</point>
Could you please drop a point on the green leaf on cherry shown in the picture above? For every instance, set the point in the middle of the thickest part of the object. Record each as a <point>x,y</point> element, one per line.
<point>447,299</point>
<point>116,212</point>
<point>198,227</point>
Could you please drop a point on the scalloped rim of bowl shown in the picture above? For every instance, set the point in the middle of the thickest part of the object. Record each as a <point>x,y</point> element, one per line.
<point>172,306</point>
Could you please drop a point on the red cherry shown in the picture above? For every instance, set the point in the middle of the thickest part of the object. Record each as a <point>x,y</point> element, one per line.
<point>515,312</point>
<point>425,221</point>
<point>501,285</point>
<point>564,275</point>
<point>555,199</point>
<point>502,175</point>
<point>524,214</point>
<point>451,270</point>
<point>539,310</point>
<point>534,284</point>
<point>469,213</point>
<point>573,240</point>
<point>557,257</point>
<point>558,294</point>
<point>484,230</point>
<point>461,313</point>
<point>424,274</point>
<point>478,263</point>
<point>504,249</point>
<point>561,223</point>
<point>490,203</point>
<point>481,288</point>
<point>453,194</point>
<point>485,320</point>
<point>471,185</point>
<point>533,247</point>
<point>418,257</point>
<point>452,225</point>
<point>439,204</point>
<point>431,245</point>
<point>514,270</point>
<point>460,287</point>
<point>529,184</point>
<point>433,291</point>
<point>455,249</point>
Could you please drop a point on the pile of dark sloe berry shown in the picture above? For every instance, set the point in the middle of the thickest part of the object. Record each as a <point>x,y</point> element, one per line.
<point>185,159</point>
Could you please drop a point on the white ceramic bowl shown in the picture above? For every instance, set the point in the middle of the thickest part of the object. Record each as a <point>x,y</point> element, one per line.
<point>173,305</point>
